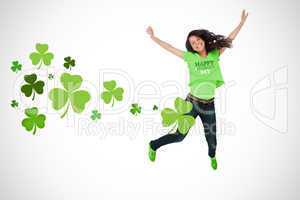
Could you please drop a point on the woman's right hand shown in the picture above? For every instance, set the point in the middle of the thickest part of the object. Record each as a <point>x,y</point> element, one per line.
<point>164,44</point>
<point>150,31</point>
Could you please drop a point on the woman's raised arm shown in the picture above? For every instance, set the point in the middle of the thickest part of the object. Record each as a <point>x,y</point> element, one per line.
<point>164,44</point>
<point>234,33</point>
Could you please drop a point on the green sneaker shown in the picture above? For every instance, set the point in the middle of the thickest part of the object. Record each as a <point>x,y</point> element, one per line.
<point>213,163</point>
<point>151,153</point>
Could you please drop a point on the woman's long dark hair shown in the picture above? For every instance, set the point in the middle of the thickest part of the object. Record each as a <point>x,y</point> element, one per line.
<point>211,40</point>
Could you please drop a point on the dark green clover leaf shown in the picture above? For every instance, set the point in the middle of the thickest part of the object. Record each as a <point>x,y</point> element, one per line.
<point>178,116</point>
<point>32,86</point>
<point>155,107</point>
<point>135,109</point>
<point>112,92</point>
<point>70,94</point>
<point>41,56</point>
<point>51,76</point>
<point>95,115</point>
<point>69,62</point>
<point>16,66</point>
<point>33,120</point>
<point>14,104</point>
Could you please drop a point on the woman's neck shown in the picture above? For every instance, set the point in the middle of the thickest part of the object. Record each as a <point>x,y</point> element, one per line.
<point>203,54</point>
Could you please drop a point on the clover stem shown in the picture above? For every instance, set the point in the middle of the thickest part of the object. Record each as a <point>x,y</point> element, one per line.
<point>65,110</point>
<point>113,101</point>
<point>33,96</point>
<point>173,128</point>
<point>34,130</point>
<point>40,65</point>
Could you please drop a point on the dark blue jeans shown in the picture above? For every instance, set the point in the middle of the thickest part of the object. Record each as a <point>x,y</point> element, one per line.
<point>206,111</point>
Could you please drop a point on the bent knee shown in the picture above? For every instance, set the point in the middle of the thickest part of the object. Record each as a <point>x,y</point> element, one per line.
<point>179,137</point>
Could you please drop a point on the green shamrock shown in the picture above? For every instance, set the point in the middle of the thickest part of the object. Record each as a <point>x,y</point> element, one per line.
<point>95,115</point>
<point>32,86</point>
<point>14,104</point>
<point>112,92</point>
<point>135,109</point>
<point>41,56</point>
<point>178,117</point>
<point>70,94</point>
<point>16,66</point>
<point>33,120</point>
<point>69,62</point>
<point>155,107</point>
<point>50,76</point>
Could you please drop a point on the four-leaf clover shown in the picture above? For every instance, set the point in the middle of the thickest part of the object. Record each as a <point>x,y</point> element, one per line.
<point>69,62</point>
<point>70,94</point>
<point>41,56</point>
<point>95,115</point>
<point>112,92</point>
<point>135,109</point>
<point>33,120</point>
<point>32,86</point>
<point>16,66</point>
<point>178,117</point>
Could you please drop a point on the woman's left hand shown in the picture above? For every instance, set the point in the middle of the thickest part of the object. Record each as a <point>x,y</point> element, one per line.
<point>244,16</point>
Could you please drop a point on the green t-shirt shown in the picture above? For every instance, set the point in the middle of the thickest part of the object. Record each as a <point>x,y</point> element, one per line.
<point>205,73</point>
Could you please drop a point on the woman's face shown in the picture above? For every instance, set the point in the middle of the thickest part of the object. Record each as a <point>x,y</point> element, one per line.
<point>197,43</point>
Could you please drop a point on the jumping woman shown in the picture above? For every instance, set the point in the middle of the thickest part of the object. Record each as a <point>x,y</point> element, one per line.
<point>202,57</point>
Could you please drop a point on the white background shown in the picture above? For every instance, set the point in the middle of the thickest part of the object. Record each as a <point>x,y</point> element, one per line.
<point>75,158</point>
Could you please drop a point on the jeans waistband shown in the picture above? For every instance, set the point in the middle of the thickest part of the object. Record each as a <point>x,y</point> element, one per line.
<point>200,100</point>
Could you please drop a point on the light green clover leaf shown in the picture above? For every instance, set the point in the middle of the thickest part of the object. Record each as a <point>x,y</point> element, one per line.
<point>95,115</point>
<point>41,56</point>
<point>69,95</point>
<point>33,120</point>
<point>178,116</point>
<point>112,92</point>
